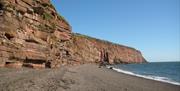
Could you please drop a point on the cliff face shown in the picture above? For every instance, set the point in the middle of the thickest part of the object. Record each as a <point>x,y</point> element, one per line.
<point>88,49</point>
<point>33,34</point>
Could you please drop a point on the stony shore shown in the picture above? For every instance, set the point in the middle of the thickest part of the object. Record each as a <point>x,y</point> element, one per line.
<point>86,77</point>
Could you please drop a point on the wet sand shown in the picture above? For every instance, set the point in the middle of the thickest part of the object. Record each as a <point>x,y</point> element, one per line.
<point>86,77</point>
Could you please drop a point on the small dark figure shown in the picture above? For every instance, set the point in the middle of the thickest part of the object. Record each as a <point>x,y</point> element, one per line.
<point>110,67</point>
<point>102,63</point>
<point>1,9</point>
<point>1,6</point>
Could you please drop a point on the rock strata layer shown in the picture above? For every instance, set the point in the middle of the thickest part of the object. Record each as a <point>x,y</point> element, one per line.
<point>33,34</point>
<point>90,50</point>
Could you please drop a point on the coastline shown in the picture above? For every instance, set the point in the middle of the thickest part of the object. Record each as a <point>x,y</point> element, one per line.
<point>87,77</point>
<point>155,78</point>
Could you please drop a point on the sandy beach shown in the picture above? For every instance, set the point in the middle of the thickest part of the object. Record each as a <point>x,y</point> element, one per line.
<point>86,77</point>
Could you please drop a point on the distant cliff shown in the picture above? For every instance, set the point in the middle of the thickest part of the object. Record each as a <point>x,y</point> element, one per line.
<point>89,50</point>
<point>33,34</point>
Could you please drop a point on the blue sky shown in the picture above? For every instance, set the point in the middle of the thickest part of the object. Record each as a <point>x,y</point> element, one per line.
<point>151,26</point>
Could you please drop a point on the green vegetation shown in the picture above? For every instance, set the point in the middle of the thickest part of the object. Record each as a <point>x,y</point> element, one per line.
<point>41,27</point>
<point>88,37</point>
<point>47,16</point>
<point>63,19</point>
<point>53,25</point>
<point>99,40</point>
<point>84,36</point>
<point>50,5</point>
<point>45,4</point>
<point>38,10</point>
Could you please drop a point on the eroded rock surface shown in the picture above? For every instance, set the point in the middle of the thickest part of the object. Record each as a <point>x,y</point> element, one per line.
<point>33,34</point>
<point>31,31</point>
<point>90,50</point>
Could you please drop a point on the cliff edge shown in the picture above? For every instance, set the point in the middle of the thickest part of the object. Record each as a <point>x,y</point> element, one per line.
<point>89,50</point>
<point>33,34</point>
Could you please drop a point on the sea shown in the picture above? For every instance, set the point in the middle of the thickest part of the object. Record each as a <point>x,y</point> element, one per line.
<point>168,72</point>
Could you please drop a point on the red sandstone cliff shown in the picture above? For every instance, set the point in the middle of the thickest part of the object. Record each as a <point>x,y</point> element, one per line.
<point>88,49</point>
<point>32,34</point>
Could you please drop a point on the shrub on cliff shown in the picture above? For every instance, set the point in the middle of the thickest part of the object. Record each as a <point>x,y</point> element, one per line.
<point>47,16</point>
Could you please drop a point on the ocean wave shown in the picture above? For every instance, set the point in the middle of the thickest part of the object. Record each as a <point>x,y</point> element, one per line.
<point>151,77</point>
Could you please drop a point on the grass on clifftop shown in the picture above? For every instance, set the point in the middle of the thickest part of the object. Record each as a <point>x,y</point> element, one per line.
<point>92,38</point>
<point>99,40</point>
<point>63,19</point>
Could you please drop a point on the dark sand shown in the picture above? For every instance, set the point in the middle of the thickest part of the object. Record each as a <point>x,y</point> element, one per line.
<point>78,78</point>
